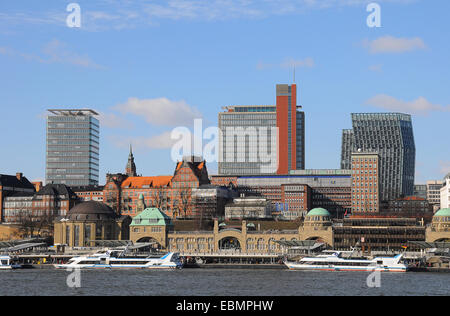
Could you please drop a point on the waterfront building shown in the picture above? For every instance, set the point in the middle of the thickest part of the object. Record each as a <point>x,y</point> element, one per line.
<point>434,193</point>
<point>17,207</point>
<point>445,193</point>
<point>250,132</point>
<point>439,231</point>
<point>13,185</point>
<point>391,136</point>
<point>90,221</point>
<point>72,154</point>
<point>365,182</point>
<point>51,201</point>
<point>264,237</point>
<point>377,233</point>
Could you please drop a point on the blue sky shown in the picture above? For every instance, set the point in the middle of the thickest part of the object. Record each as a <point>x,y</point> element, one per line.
<point>150,66</point>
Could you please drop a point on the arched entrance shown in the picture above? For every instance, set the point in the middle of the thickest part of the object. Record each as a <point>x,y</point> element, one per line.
<point>229,243</point>
<point>153,241</point>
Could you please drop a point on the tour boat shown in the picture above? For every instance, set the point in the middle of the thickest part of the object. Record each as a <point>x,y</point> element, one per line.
<point>333,261</point>
<point>6,263</point>
<point>117,260</point>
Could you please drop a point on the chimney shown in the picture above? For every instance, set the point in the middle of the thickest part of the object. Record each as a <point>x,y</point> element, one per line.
<point>19,176</point>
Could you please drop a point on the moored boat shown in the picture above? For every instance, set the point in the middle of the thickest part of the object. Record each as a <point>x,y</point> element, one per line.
<point>7,263</point>
<point>117,260</point>
<point>333,261</point>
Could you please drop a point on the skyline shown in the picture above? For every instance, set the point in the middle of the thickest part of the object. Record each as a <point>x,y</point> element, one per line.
<point>203,62</point>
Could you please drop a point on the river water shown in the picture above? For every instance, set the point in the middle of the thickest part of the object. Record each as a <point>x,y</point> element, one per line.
<point>219,282</point>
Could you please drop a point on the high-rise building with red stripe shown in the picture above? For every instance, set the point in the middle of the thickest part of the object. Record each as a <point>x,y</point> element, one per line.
<point>248,132</point>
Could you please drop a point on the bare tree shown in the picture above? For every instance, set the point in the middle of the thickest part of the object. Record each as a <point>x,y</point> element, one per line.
<point>26,223</point>
<point>157,197</point>
<point>185,200</point>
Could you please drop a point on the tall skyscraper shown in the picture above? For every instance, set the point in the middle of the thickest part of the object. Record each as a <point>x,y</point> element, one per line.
<point>72,147</point>
<point>391,136</point>
<point>252,133</point>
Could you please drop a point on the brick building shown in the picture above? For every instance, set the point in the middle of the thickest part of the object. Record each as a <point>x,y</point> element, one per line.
<point>13,185</point>
<point>171,194</point>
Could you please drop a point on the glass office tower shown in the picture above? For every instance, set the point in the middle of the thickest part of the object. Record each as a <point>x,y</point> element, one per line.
<point>72,147</point>
<point>251,133</point>
<point>391,136</point>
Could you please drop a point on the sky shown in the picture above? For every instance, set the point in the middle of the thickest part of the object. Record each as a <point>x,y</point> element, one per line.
<point>150,66</point>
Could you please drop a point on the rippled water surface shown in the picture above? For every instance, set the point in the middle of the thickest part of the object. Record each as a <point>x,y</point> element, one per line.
<point>220,282</point>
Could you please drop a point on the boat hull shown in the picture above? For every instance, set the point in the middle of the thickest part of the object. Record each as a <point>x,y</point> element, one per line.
<point>115,267</point>
<point>10,267</point>
<point>294,266</point>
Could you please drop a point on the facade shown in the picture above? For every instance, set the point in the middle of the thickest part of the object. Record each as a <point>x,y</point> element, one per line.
<point>248,208</point>
<point>300,191</point>
<point>72,155</point>
<point>263,139</point>
<point>440,227</point>
<point>391,136</point>
<point>51,201</point>
<point>421,190</point>
<point>88,222</point>
<point>209,201</point>
<point>171,194</point>
<point>89,193</point>
<point>264,237</point>
<point>13,185</point>
<point>411,205</point>
<point>365,182</point>
<point>377,233</point>
<point>445,194</point>
<point>434,193</point>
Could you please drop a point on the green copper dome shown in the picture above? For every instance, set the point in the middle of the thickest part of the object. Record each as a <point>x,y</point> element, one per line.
<point>443,212</point>
<point>318,212</point>
<point>151,217</point>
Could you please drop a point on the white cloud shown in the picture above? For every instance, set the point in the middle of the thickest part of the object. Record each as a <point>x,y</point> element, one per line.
<point>376,68</point>
<point>390,44</point>
<point>161,111</point>
<point>420,106</point>
<point>445,167</point>
<point>54,52</point>
<point>112,120</point>
<point>112,14</point>
<point>161,141</point>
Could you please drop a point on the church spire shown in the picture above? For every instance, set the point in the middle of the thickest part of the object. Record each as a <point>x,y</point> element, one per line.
<point>131,166</point>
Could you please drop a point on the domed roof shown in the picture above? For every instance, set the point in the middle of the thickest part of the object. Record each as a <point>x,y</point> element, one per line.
<point>151,217</point>
<point>318,212</point>
<point>443,212</point>
<point>91,210</point>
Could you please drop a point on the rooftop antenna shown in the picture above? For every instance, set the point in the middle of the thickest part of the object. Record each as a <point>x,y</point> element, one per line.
<point>294,73</point>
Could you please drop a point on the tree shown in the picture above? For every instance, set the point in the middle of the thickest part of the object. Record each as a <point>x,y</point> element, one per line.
<point>157,197</point>
<point>185,200</point>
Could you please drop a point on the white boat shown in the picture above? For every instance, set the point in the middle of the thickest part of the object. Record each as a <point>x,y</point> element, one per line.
<point>7,263</point>
<point>116,260</point>
<point>333,261</point>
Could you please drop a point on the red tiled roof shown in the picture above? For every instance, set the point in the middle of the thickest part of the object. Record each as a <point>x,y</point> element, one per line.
<point>140,182</point>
